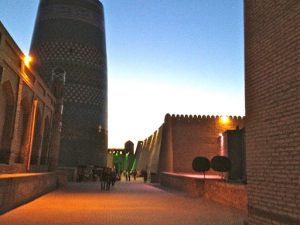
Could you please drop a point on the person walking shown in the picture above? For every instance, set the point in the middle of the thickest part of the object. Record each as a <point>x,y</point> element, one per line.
<point>128,175</point>
<point>134,173</point>
<point>144,174</point>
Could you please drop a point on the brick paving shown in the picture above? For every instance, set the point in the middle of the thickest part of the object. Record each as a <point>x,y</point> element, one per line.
<point>128,203</point>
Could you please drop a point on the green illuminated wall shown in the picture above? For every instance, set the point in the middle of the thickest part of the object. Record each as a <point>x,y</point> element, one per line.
<point>123,161</point>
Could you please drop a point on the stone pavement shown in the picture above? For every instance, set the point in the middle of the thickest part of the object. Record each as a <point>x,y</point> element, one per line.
<point>128,203</point>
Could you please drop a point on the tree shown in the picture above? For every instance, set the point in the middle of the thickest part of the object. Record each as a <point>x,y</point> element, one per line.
<point>221,164</point>
<point>201,164</point>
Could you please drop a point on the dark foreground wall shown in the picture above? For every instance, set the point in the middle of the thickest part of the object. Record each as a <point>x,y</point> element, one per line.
<point>272,81</point>
<point>70,34</point>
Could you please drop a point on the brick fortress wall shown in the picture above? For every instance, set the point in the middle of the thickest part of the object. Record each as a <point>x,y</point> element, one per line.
<point>148,154</point>
<point>187,137</point>
<point>180,139</point>
<point>272,81</point>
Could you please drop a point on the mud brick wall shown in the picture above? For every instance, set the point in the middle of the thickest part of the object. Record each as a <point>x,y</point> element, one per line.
<point>272,82</point>
<point>192,187</point>
<point>231,195</point>
<point>192,136</point>
<point>180,139</point>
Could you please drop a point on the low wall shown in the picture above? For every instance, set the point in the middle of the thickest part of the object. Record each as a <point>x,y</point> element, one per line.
<point>232,195</point>
<point>17,189</point>
<point>193,186</point>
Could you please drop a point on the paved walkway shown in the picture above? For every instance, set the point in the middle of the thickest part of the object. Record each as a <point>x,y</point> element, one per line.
<point>128,203</point>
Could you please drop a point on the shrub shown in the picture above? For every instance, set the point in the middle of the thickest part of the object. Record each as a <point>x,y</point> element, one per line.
<point>221,164</point>
<point>201,164</point>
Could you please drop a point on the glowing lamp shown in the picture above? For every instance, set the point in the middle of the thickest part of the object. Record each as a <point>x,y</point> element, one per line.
<point>27,60</point>
<point>224,119</point>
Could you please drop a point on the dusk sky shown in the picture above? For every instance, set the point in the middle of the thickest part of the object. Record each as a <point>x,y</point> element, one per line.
<point>164,56</point>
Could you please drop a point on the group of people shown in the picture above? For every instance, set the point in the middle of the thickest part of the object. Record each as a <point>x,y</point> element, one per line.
<point>107,176</point>
<point>128,174</point>
<point>143,173</point>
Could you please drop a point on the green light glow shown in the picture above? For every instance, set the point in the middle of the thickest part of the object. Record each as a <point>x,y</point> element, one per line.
<point>134,165</point>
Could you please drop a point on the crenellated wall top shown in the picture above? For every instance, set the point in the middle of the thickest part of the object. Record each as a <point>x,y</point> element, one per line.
<point>189,118</point>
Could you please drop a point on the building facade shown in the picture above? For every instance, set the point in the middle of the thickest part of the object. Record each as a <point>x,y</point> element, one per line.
<point>122,158</point>
<point>70,34</point>
<point>27,112</point>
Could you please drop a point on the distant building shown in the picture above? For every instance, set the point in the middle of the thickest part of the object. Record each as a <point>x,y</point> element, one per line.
<point>122,158</point>
<point>110,156</point>
<point>129,147</point>
<point>70,34</point>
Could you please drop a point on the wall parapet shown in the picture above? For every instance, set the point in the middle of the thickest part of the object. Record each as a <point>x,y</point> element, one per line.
<point>195,118</point>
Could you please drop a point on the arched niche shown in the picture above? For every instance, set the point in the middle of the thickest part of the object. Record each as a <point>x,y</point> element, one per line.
<point>24,129</point>
<point>46,138</point>
<point>36,138</point>
<point>8,121</point>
